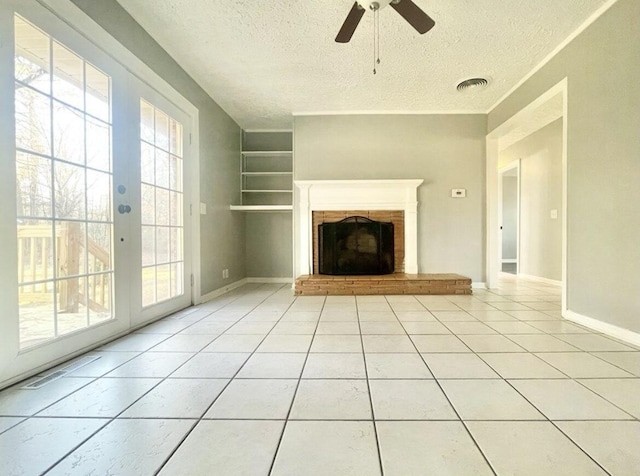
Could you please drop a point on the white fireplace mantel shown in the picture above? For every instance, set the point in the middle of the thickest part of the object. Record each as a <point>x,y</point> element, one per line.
<point>328,195</point>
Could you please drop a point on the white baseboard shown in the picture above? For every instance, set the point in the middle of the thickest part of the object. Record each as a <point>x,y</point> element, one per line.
<point>230,287</point>
<point>509,260</point>
<point>478,285</point>
<point>609,329</point>
<point>540,279</point>
<point>283,280</point>
<point>220,291</point>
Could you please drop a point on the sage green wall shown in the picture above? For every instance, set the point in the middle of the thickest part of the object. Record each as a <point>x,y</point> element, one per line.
<point>447,151</point>
<point>540,192</point>
<point>222,233</point>
<point>269,245</point>
<point>602,65</point>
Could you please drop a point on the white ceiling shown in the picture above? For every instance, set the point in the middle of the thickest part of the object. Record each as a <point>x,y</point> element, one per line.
<point>264,60</point>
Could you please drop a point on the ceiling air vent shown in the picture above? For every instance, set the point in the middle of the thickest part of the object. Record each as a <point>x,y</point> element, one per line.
<point>473,83</point>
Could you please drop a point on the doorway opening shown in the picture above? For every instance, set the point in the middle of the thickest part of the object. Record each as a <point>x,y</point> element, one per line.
<point>548,110</point>
<point>510,217</point>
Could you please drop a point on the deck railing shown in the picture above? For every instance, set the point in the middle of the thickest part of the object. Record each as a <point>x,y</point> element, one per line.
<point>35,267</point>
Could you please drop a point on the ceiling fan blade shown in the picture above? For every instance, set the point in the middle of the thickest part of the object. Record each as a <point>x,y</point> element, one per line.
<point>414,15</point>
<point>350,24</point>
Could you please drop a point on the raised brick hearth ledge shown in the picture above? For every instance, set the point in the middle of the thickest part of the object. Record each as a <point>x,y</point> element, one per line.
<point>396,283</point>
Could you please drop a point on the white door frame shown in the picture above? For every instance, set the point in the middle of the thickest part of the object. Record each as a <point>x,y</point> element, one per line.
<point>80,21</point>
<point>60,12</point>
<point>513,165</point>
<point>19,363</point>
<point>139,315</point>
<point>524,116</point>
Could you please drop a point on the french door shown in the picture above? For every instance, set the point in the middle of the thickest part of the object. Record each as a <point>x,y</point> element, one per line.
<point>94,217</point>
<point>163,271</point>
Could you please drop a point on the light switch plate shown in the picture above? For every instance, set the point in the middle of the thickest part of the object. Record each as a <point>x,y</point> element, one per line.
<point>554,214</point>
<point>203,208</point>
<point>458,192</point>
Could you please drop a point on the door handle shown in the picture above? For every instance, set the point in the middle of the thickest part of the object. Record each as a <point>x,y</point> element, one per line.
<point>122,209</point>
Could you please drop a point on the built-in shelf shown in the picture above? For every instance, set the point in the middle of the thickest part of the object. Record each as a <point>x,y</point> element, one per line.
<point>262,208</point>
<point>266,171</point>
<point>267,191</point>
<point>259,153</point>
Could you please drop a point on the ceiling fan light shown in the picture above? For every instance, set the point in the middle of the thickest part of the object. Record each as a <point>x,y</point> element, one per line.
<point>472,83</point>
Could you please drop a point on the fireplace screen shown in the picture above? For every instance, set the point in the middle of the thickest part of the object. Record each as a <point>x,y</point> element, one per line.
<point>355,246</point>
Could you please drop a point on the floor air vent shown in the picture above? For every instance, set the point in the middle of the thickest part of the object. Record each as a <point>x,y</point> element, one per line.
<point>45,379</point>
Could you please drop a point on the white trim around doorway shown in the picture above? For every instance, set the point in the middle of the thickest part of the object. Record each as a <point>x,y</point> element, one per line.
<point>493,250</point>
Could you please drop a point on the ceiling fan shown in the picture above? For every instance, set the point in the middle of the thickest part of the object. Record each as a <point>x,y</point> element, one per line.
<point>406,8</point>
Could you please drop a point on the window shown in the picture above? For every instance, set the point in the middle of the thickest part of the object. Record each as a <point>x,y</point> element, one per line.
<point>64,186</point>
<point>162,218</point>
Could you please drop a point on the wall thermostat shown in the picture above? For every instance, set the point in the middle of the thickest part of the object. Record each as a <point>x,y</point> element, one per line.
<point>458,192</point>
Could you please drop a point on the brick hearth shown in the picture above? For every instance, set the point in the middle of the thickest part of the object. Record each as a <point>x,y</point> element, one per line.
<point>396,283</point>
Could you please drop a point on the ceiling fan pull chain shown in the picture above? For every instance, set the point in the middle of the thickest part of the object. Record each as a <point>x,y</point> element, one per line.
<point>378,35</point>
<point>374,41</point>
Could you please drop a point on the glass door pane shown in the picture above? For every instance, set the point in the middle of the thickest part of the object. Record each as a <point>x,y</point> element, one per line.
<point>162,202</point>
<point>64,188</point>
<point>76,244</point>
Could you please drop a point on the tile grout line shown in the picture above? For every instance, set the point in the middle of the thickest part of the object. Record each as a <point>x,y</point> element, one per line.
<point>114,418</point>
<point>541,332</point>
<point>549,420</point>
<point>104,375</point>
<point>580,447</point>
<point>568,378</point>
<point>537,409</point>
<point>269,333</point>
<point>486,459</point>
<point>633,417</point>
<point>200,419</point>
<point>366,374</point>
<point>295,392</point>
<point>620,420</point>
<point>578,349</point>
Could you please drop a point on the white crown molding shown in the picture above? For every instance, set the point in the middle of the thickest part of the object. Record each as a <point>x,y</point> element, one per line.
<point>382,113</point>
<point>361,184</point>
<point>611,330</point>
<point>594,16</point>
<point>267,130</point>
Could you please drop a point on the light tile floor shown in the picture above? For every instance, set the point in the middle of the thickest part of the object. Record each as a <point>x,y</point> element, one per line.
<point>259,382</point>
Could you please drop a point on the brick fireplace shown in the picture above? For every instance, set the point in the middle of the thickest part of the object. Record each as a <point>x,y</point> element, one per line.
<point>394,200</point>
<point>380,200</point>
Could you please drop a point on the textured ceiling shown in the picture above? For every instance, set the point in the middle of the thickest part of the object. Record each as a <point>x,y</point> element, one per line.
<point>263,61</point>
